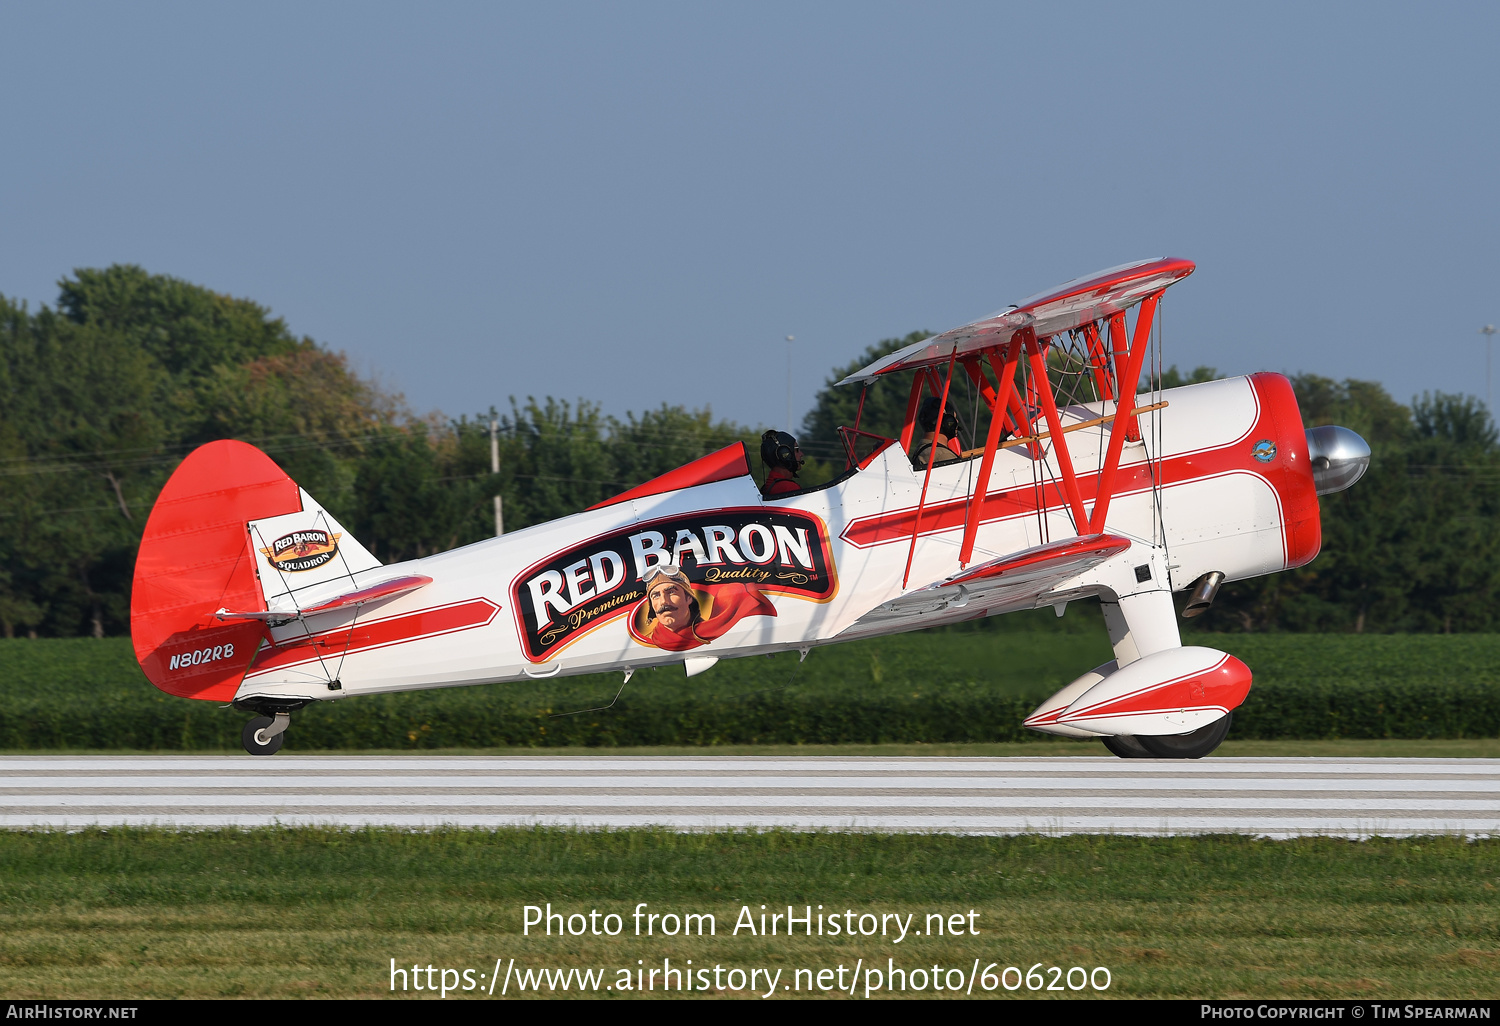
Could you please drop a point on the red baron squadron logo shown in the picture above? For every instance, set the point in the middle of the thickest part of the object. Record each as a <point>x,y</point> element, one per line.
<point>681,582</point>
<point>302,550</point>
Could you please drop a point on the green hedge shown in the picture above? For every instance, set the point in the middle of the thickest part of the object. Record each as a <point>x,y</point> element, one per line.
<point>936,688</point>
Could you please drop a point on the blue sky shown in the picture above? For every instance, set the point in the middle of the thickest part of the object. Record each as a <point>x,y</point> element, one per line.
<point>635,203</point>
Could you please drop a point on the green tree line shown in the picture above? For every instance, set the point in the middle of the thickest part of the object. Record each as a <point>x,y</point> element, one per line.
<point>1411,548</point>
<point>101,398</point>
<point>102,395</point>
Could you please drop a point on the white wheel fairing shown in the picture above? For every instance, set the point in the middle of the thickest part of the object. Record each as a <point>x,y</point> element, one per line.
<point>1171,692</point>
<point>1044,718</point>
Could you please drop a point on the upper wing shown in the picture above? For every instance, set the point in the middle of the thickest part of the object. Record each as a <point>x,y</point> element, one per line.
<point>994,330</point>
<point>1070,305</point>
<point>1104,294</point>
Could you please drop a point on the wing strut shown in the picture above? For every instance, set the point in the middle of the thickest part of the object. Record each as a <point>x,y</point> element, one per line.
<point>1007,408</point>
<point>1018,340</point>
<point>1125,423</point>
<point>1054,425</point>
<point>858,416</point>
<point>1004,362</point>
<point>916,525</point>
<point>918,382</point>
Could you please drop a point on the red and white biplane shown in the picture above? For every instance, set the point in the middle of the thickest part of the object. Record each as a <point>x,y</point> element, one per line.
<point>246,590</point>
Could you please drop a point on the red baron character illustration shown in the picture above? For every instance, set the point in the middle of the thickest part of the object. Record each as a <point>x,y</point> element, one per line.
<point>678,615</point>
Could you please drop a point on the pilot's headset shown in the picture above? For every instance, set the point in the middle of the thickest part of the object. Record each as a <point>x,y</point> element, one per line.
<point>928,414</point>
<point>779,449</point>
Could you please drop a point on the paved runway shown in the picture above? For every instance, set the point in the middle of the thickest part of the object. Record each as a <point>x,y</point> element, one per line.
<point>1265,797</point>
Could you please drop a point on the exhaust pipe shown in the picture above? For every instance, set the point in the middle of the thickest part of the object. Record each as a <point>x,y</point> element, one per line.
<point>1205,590</point>
<point>1339,457</point>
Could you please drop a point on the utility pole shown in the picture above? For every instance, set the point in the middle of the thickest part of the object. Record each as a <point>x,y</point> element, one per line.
<point>495,469</point>
<point>1488,331</point>
<point>789,340</point>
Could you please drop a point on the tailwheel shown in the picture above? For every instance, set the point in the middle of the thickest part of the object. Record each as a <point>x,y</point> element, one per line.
<point>264,734</point>
<point>1126,747</point>
<point>1195,744</point>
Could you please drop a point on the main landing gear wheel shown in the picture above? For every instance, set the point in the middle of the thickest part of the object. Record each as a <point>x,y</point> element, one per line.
<point>254,738</point>
<point>1126,747</point>
<point>1195,744</point>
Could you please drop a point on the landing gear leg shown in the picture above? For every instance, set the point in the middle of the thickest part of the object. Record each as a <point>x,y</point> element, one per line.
<point>1195,744</point>
<point>264,734</point>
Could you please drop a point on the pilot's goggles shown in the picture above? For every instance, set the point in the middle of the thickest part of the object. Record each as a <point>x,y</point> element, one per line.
<point>670,571</point>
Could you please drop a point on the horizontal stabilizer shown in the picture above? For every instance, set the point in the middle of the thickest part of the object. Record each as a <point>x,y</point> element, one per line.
<point>369,593</point>
<point>274,617</point>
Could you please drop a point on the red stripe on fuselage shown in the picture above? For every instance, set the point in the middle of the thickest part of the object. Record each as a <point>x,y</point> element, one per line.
<point>362,637</point>
<point>1285,476</point>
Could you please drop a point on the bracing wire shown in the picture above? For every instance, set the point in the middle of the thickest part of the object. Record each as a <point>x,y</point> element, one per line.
<point>597,708</point>
<point>1038,487</point>
<point>796,669</point>
<point>1158,437</point>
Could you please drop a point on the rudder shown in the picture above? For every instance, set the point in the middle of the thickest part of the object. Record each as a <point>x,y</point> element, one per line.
<point>198,556</point>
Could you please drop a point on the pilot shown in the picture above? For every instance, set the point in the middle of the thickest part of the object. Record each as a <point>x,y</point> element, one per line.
<point>940,444</point>
<point>782,458</point>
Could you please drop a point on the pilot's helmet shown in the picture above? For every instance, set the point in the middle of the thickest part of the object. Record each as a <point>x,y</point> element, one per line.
<point>779,449</point>
<point>927,416</point>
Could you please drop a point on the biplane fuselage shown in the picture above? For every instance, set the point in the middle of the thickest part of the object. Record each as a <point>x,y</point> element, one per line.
<point>1215,479</point>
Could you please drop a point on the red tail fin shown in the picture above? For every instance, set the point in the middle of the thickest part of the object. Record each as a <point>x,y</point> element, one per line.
<point>196,558</point>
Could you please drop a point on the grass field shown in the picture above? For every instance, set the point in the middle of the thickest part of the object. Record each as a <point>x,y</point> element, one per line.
<point>1008,663</point>
<point>932,688</point>
<point>1023,663</point>
<point>1346,748</point>
<point>308,913</point>
<point>302,913</point>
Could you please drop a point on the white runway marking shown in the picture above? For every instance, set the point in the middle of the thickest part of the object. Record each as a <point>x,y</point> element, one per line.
<point>1263,797</point>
